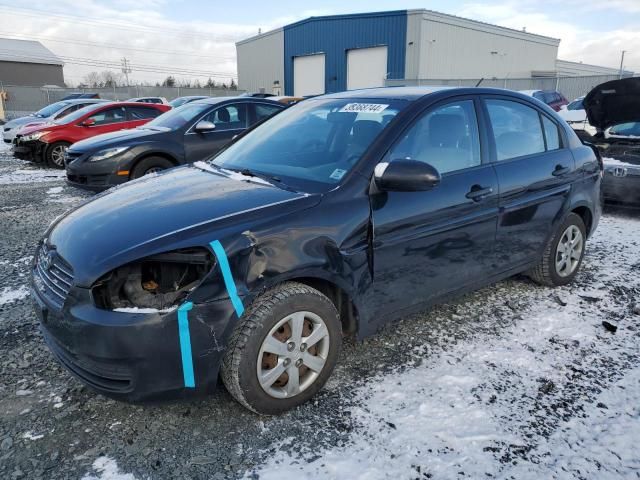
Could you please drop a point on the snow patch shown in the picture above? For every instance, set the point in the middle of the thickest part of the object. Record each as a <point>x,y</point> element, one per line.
<point>143,310</point>
<point>8,295</point>
<point>230,173</point>
<point>35,175</point>
<point>614,162</point>
<point>55,190</point>
<point>107,469</point>
<point>31,436</point>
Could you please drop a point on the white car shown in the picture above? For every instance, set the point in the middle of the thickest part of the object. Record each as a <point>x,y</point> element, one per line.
<point>160,100</point>
<point>576,116</point>
<point>48,114</point>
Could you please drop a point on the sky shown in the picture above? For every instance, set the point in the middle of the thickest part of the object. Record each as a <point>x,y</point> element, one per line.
<point>196,39</point>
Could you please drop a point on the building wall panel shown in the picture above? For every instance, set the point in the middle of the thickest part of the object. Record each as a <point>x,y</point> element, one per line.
<point>30,74</point>
<point>261,62</point>
<point>334,35</point>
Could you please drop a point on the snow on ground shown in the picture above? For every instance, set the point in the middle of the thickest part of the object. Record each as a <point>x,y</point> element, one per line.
<point>31,175</point>
<point>486,408</point>
<point>8,295</point>
<point>107,469</point>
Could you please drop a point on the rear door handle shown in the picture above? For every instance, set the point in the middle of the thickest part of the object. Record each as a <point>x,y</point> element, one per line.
<point>479,192</point>
<point>560,170</point>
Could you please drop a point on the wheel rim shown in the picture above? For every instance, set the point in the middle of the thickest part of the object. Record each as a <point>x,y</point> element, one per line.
<point>569,251</point>
<point>153,170</point>
<point>57,154</point>
<point>293,354</point>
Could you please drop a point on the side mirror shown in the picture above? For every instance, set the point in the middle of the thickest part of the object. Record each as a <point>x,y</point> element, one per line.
<point>204,126</point>
<point>89,122</point>
<point>406,176</point>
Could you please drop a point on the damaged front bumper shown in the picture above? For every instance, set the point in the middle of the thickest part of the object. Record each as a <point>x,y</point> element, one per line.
<point>134,355</point>
<point>31,150</point>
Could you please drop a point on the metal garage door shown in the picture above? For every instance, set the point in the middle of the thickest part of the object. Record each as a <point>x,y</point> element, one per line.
<point>366,67</point>
<point>308,75</point>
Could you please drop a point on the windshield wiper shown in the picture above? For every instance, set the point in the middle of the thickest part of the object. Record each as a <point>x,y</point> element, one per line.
<point>273,179</point>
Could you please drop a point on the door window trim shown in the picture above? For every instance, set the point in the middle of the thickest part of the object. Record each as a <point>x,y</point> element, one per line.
<point>493,157</point>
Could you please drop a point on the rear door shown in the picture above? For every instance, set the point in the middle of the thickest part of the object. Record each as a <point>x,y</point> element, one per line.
<point>230,120</point>
<point>535,171</point>
<point>106,120</point>
<point>426,244</point>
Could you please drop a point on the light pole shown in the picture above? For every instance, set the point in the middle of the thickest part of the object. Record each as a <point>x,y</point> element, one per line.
<point>621,63</point>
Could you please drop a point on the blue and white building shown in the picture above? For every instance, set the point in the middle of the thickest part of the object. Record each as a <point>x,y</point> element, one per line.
<point>334,53</point>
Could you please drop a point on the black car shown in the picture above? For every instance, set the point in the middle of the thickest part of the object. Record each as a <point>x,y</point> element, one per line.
<point>185,134</point>
<point>614,109</point>
<point>335,216</point>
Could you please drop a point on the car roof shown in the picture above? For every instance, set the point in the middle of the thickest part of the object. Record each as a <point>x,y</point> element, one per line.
<point>399,93</point>
<point>216,100</point>
<point>85,100</point>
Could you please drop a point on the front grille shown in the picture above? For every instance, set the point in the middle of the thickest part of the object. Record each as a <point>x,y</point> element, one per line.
<point>53,277</point>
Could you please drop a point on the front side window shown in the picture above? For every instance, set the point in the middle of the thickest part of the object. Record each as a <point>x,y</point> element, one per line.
<point>516,129</point>
<point>108,116</point>
<point>446,138</point>
<point>229,117</point>
<point>312,145</point>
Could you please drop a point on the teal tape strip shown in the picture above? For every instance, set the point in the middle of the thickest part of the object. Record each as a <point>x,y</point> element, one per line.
<point>185,344</point>
<point>223,261</point>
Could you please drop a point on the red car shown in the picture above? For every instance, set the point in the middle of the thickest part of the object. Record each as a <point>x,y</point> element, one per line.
<point>48,142</point>
<point>552,98</point>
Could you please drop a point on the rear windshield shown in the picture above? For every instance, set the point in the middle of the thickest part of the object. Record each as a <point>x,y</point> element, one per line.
<point>51,109</point>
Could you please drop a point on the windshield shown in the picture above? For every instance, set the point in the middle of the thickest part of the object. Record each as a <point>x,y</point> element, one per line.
<point>312,145</point>
<point>72,117</point>
<point>178,117</point>
<point>576,105</point>
<point>51,109</point>
<point>631,129</point>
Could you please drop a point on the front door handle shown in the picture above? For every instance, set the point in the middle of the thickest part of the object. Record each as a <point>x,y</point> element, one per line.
<point>560,170</point>
<point>478,192</point>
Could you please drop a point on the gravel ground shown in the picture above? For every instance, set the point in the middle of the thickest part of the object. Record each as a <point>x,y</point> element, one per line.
<point>53,427</point>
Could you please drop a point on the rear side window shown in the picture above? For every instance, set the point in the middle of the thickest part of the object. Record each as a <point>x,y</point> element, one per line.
<point>551,134</point>
<point>446,138</point>
<point>264,111</point>
<point>516,129</point>
<point>108,116</point>
<point>143,113</point>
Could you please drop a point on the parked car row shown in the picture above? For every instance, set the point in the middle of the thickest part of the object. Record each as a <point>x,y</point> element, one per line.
<point>326,218</point>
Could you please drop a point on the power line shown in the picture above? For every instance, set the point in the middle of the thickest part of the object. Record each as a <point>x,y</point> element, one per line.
<point>122,26</point>
<point>109,45</point>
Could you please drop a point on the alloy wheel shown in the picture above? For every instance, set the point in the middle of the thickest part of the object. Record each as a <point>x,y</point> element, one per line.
<point>57,155</point>
<point>293,354</point>
<point>569,251</point>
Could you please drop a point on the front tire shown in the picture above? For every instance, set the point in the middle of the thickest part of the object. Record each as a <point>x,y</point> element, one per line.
<point>150,165</point>
<point>563,256</point>
<point>283,350</point>
<point>54,155</point>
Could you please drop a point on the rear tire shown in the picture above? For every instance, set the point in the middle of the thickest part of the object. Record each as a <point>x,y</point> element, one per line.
<point>283,350</point>
<point>563,255</point>
<point>54,154</point>
<point>150,165</point>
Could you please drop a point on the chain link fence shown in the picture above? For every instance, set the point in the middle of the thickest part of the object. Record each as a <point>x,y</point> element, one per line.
<point>570,87</point>
<point>21,101</point>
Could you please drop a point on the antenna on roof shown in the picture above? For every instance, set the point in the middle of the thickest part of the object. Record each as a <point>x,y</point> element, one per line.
<point>259,31</point>
<point>479,81</point>
<point>524,29</point>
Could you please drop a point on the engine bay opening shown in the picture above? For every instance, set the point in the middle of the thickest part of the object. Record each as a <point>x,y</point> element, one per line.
<point>159,281</point>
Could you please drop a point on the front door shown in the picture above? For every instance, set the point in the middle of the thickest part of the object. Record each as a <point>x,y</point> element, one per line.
<point>535,171</point>
<point>426,244</point>
<point>230,120</point>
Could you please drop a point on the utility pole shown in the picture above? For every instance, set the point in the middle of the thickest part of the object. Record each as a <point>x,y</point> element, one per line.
<point>621,63</point>
<point>126,69</point>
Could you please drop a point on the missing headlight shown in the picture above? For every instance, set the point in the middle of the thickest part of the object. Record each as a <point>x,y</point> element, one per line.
<point>160,281</point>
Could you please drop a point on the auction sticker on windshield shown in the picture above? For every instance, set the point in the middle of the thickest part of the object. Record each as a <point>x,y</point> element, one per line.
<point>363,107</point>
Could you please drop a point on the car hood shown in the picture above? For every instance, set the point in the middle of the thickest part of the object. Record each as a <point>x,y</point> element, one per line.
<point>614,102</point>
<point>117,138</point>
<point>26,130</point>
<point>185,206</point>
<point>18,122</point>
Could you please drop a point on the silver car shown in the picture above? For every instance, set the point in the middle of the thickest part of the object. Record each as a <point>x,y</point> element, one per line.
<point>48,114</point>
